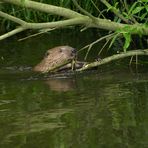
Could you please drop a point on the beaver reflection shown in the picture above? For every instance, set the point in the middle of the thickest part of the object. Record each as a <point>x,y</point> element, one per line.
<point>61,85</point>
<point>56,57</point>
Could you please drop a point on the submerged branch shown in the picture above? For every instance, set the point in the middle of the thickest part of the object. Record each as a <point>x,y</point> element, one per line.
<point>114,57</point>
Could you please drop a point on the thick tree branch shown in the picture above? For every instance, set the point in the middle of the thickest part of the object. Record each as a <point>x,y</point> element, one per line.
<point>13,32</point>
<point>26,25</point>
<point>55,10</point>
<point>74,19</point>
<point>58,24</point>
<point>85,20</point>
<point>12,18</point>
<point>63,23</point>
<point>114,57</point>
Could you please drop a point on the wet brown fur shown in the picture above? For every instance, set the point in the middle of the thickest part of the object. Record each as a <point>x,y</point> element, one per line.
<point>54,58</point>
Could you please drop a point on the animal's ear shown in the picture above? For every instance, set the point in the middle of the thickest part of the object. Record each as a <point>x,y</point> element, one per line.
<point>62,49</point>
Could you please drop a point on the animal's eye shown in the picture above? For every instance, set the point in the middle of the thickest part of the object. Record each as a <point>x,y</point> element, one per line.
<point>47,54</point>
<point>61,50</point>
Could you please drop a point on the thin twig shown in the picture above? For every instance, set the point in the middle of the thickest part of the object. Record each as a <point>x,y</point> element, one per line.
<point>103,47</point>
<point>84,11</point>
<point>36,34</point>
<point>89,46</point>
<point>131,59</point>
<point>88,50</point>
<point>95,42</point>
<point>136,62</point>
<point>115,11</point>
<point>100,13</point>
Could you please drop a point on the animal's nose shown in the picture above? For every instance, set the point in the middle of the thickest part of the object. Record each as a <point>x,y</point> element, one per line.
<point>73,54</point>
<point>74,50</point>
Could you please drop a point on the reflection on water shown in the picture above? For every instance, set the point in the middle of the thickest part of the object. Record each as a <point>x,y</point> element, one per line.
<point>90,110</point>
<point>62,84</point>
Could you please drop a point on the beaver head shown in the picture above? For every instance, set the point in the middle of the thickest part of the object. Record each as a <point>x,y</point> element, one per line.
<point>56,57</point>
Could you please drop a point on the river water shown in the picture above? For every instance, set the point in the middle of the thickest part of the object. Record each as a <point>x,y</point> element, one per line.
<point>105,108</point>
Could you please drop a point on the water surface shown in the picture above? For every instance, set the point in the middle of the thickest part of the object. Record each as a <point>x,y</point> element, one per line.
<point>106,108</point>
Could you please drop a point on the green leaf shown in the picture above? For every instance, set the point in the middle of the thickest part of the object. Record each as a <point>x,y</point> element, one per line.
<point>144,0</point>
<point>126,15</point>
<point>22,1</point>
<point>132,7</point>
<point>146,7</point>
<point>127,37</point>
<point>116,4</point>
<point>143,16</point>
<point>137,9</point>
<point>109,8</point>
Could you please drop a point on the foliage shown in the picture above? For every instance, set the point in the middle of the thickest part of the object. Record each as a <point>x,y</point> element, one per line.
<point>125,12</point>
<point>34,16</point>
<point>134,12</point>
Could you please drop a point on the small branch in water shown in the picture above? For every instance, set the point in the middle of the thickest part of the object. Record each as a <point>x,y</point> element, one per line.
<point>114,57</point>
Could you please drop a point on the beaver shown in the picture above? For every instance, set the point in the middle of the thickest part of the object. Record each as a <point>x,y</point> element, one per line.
<point>57,57</point>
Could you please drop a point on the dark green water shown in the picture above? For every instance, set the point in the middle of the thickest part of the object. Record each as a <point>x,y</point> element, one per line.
<point>107,108</point>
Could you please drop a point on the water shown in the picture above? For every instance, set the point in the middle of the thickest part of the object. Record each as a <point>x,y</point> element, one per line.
<point>107,108</point>
<point>89,110</point>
